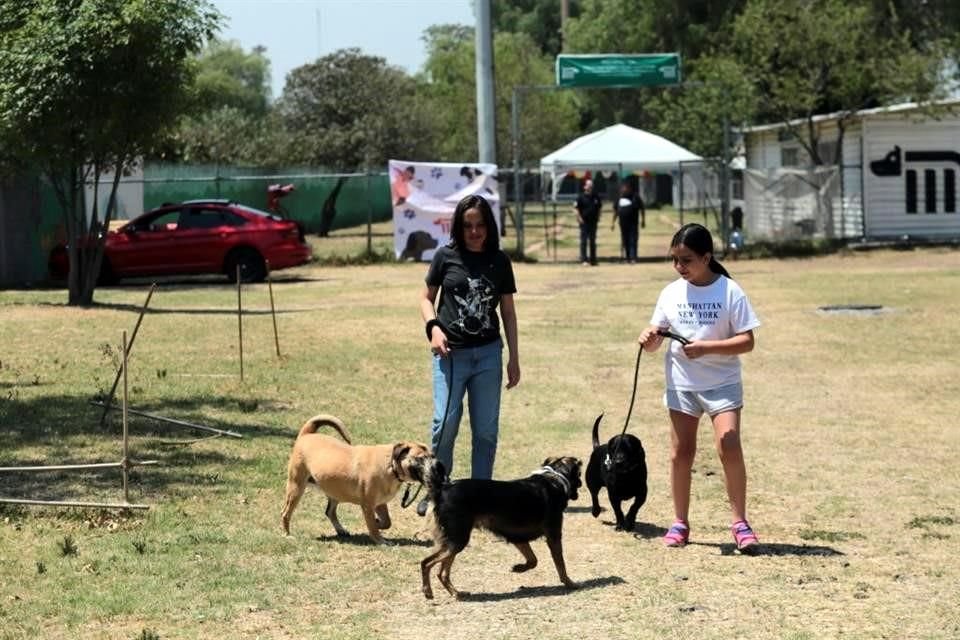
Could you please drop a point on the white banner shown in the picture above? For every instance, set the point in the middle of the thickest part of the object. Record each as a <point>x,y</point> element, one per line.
<point>424,195</point>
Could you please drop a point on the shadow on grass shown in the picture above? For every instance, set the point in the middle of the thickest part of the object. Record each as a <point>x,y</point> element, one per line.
<point>48,419</point>
<point>212,311</point>
<point>540,592</point>
<point>774,549</point>
<point>66,430</point>
<point>363,540</point>
<point>648,531</point>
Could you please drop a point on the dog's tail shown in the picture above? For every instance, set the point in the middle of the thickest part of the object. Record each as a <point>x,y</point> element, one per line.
<point>324,420</point>
<point>596,431</point>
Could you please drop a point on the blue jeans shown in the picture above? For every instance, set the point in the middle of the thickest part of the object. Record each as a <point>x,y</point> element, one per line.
<point>478,373</point>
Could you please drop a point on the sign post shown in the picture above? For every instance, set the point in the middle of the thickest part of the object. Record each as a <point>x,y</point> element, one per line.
<point>618,70</point>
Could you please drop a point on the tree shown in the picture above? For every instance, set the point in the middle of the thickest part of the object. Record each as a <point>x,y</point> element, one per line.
<point>86,87</point>
<point>227,76</point>
<point>229,117</point>
<point>350,111</point>
<point>449,90</point>
<point>690,28</point>
<point>807,57</point>
<point>716,92</point>
<point>766,61</point>
<point>539,19</point>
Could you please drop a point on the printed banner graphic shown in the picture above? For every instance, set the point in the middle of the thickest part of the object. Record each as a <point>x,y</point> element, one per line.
<point>424,195</point>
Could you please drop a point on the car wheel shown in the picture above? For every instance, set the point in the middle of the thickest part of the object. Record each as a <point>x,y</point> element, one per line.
<point>252,267</point>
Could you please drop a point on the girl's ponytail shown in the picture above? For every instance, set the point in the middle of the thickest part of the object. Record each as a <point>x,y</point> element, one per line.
<point>716,267</point>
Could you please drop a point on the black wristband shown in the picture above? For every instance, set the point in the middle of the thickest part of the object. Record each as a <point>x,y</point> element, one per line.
<point>430,325</point>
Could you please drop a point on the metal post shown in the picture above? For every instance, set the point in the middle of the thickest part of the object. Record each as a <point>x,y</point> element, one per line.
<point>273,310</point>
<point>555,240</point>
<point>564,18</point>
<point>125,460</point>
<point>133,337</point>
<point>843,222</point>
<point>681,193</point>
<point>486,109</point>
<point>369,218</point>
<point>546,221</point>
<point>725,185</point>
<point>182,423</point>
<point>239,323</point>
<point>517,186</point>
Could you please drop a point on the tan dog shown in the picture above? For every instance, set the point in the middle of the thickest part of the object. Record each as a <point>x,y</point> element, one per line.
<point>367,475</point>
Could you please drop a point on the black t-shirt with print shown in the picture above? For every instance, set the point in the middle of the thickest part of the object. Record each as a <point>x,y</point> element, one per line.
<point>470,288</point>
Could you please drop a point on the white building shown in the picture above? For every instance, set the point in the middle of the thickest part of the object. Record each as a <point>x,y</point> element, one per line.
<point>898,177</point>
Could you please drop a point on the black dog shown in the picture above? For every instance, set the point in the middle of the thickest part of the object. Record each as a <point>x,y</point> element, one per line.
<point>621,467</point>
<point>518,511</point>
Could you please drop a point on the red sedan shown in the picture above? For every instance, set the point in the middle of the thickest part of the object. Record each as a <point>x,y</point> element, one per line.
<point>196,237</point>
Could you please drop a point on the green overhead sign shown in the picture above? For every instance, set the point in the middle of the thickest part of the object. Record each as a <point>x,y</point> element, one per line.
<point>618,70</point>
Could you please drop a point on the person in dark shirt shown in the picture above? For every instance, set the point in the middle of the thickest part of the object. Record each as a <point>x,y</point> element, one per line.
<point>628,209</point>
<point>588,207</point>
<point>466,282</point>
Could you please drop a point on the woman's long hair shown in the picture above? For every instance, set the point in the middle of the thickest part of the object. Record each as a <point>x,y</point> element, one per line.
<point>697,238</point>
<point>457,238</point>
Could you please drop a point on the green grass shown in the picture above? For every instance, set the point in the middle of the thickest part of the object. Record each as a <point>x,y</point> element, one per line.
<point>848,432</point>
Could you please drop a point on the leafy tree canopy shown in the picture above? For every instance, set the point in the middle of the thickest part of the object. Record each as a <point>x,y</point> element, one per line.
<point>227,122</point>
<point>227,76</point>
<point>548,119</point>
<point>349,111</point>
<point>809,57</point>
<point>539,19</point>
<point>89,86</point>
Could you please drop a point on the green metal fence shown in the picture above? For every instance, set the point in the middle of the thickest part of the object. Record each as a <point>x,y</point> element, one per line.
<point>361,197</point>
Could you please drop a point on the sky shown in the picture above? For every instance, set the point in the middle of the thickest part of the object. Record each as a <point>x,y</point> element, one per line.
<point>297,32</point>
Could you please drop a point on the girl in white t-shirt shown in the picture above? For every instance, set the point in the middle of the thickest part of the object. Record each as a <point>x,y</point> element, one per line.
<point>708,309</point>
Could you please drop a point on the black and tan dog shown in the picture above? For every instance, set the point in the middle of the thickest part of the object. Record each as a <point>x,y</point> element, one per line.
<point>620,465</point>
<point>518,511</point>
<point>367,475</point>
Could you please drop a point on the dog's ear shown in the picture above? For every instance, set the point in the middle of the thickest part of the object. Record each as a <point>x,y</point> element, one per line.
<point>549,462</point>
<point>400,451</point>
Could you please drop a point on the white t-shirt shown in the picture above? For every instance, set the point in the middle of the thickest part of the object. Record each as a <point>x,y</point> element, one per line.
<point>715,312</point>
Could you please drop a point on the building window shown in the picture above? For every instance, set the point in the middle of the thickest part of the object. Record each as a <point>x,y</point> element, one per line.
<point>789,157</point>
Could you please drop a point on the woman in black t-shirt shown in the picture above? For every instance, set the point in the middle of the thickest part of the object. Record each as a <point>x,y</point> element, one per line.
<point>472,277</point>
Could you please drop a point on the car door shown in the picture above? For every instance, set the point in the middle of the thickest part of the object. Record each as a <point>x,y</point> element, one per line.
<point>205,234</point>
<point>142,246</point>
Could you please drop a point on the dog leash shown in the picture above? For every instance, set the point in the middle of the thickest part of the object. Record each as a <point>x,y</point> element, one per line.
<point>636,374</point>
<point>406,500</point>
<point>636,371</point>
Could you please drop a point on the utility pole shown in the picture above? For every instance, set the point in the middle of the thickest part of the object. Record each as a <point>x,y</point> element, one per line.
<point>486,116</point>
<point>564,16</point>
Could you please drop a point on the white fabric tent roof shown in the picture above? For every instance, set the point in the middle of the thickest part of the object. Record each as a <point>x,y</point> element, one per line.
<point>616,148</point>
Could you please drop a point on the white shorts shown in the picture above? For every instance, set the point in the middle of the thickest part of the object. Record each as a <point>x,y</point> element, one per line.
<point>711,402</point>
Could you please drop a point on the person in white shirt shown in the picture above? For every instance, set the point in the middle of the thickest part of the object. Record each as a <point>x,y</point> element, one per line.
<point>713,318</point>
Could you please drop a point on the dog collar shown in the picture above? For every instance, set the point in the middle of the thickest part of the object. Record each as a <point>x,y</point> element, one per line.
<point>559,476</point>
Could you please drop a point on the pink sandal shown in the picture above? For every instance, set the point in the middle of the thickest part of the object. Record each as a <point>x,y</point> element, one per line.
<point>744,536</point>
<point>678,535</point>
